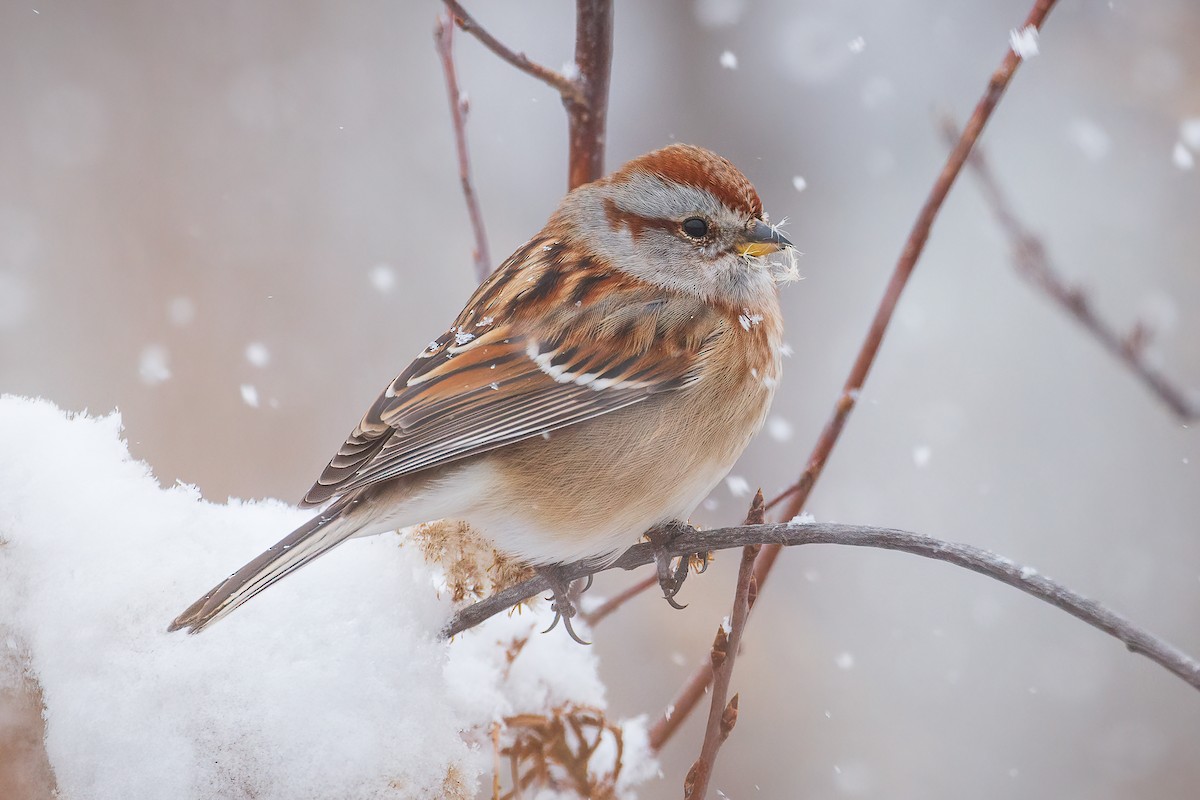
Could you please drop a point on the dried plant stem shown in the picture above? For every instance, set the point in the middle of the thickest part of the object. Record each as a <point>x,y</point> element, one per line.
<point>443,36</point>
<point>976,559</point>
<point>1032,263</point>
<point>565,86</point>
<point>722,716</point>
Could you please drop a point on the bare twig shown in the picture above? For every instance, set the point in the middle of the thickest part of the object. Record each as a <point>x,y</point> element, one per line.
<point>616,601</point>
<point>1032,263</point>
<point>443,36</point>
<point>565,86</point>
<point>797,494</point>
<point>976,559</point>
<point>588,114</point>
<point>722,716</point>
<point>584,95</point>
<point>913,247</point>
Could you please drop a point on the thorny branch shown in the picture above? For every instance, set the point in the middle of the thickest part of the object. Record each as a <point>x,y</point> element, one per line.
<point>721,716</point>
<point>976,559</point>
<point>443,36</point>
<point>799,492</point>
<point>1032,263</point>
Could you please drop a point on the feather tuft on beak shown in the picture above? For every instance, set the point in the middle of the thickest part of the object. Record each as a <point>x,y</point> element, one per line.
<point>763,239</point>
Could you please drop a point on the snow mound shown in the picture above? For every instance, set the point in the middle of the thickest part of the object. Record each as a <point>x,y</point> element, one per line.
<point>333,684</point>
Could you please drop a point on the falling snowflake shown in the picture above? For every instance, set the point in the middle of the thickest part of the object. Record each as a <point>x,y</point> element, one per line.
<point>383,277</point>
<point>1183,157</point>
<point>921,455</point>
<point>181,311</point>
<point>1092,140</point>
<point>152,365</point>
<point>729,60</point>
<point>258,354</point>
<point>249,395</point>
<point>779,429</point>
<point>1024,42</point>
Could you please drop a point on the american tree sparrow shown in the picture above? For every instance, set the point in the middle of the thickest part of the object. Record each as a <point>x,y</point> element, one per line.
<point>598,385</point>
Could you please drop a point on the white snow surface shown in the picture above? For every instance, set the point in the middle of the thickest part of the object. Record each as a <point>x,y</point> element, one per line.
<point>333,684</point>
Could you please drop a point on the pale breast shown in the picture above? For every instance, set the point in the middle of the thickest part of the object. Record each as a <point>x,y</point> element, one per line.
<point>593,489</point>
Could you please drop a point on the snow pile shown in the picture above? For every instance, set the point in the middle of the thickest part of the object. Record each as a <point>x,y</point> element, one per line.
<point>333,684</point>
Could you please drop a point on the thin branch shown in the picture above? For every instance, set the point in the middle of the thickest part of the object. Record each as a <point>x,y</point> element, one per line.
<point>797,494</point>
<point>913,247</point>
<point>588,115</point>
<point>443,36</point>
<point>976,559</point>
<point>616,601</point>
<point>1032,263</point>
<point>722,716</point>
<point>564,85</point>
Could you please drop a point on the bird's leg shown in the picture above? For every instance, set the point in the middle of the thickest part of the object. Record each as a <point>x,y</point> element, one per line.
<point>561,601</point>
<point>670,578</point>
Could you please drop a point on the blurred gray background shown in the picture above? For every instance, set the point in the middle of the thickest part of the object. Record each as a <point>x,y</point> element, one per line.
<point>236,222</point>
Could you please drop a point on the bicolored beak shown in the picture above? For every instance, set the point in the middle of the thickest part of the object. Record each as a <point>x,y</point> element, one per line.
<point>762,240</point>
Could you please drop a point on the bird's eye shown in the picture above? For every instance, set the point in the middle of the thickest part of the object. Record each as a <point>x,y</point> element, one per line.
<point>695,227</point>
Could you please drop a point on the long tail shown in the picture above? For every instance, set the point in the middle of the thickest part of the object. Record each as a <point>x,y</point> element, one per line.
<point>314,538</point>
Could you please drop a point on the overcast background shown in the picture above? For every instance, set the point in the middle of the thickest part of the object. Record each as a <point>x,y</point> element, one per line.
<point>236,222</point>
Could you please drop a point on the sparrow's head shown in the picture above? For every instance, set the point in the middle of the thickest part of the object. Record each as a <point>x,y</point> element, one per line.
<point>686,219</point>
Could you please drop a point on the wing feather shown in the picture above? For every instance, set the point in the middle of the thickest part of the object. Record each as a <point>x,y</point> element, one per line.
<point>486,384</point>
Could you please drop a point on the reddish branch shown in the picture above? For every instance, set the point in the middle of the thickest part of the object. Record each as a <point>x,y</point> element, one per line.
<point>722,716</point>
<point>1032,263</point>
<point>913,247</point>
<point>565,86</point>
<point>585,95</point>
<point>588,115</point>
<point>616,601</point>
<point>443,36</point>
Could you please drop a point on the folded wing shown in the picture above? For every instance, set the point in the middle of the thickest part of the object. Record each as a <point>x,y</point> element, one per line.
<point>468,394</point>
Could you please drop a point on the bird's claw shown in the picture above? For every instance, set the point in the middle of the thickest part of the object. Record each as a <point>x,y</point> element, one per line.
<point>671,577</point>
<point>560,599</point>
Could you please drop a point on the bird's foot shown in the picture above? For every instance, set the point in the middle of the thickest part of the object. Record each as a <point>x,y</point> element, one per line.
<point>561,599</point>
<point>671,576</point>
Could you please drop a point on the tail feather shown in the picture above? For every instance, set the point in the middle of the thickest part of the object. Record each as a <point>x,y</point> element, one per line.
<point>316,537</point>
